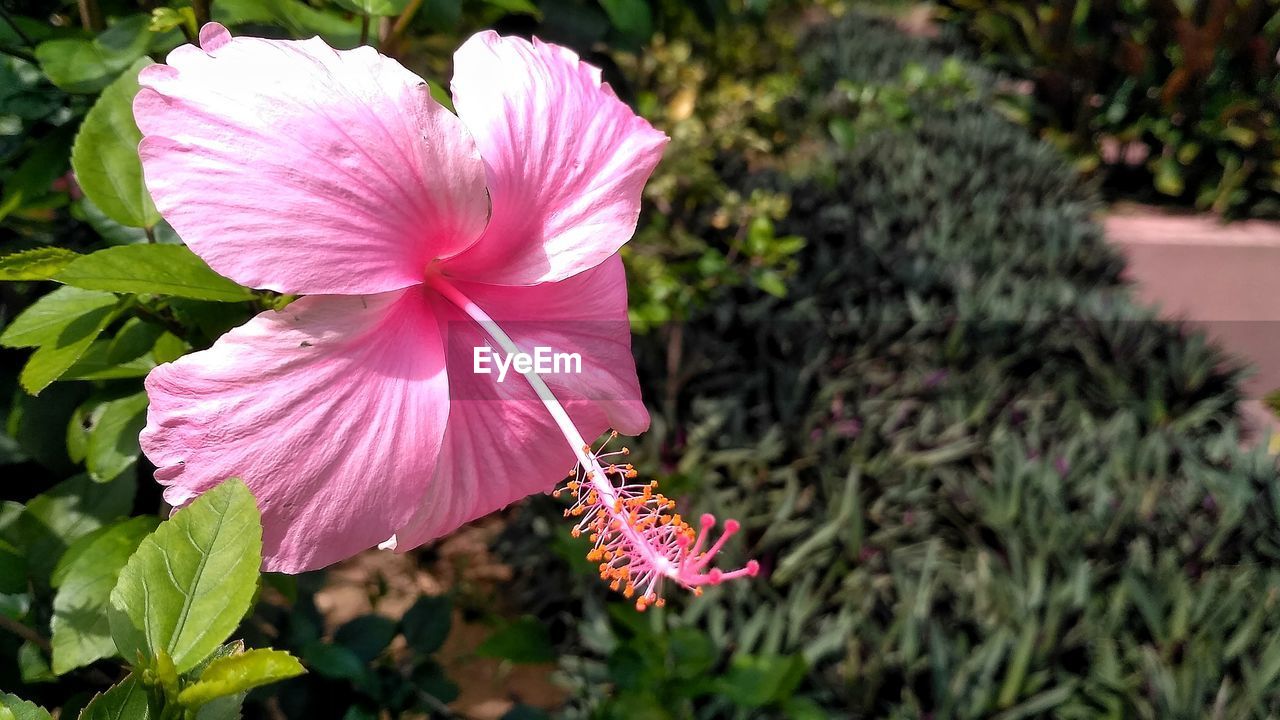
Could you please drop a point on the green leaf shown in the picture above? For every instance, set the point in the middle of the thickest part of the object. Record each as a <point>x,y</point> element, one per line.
<point>631,18</point>
<point>239,673</point>
<point>126,701</point>
<point>37,264</point>
<point>164,269</point>
<point>426,624</point>
<point>21,709</point>
<point>33,668</point>
<point>366,636</point>
<point>519,7</point>
<point>48,317</point>
<point>63,324</point>
<point>113,442</point>
<point>81,65</point>
<point>192,580</point>
<point>85,577</point>
<point>375,8</point>
<point>754,681</point>
<point>524,641</point>
<point>105,155</point>
<point>13,570</point>
<point>334,661</point>
<point>68,511</point>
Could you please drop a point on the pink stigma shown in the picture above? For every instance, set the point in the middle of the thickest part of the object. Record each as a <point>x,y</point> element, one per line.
<point>637,537</point>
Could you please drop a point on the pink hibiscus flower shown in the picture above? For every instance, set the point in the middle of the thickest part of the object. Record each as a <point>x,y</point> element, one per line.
<point>355,414</point>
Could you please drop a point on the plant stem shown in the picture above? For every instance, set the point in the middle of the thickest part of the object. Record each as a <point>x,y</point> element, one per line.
<point>364,29</point>
<point>203,14</point>
<point>25,633</point>
<point>91,15</point>
<point>391,42</point>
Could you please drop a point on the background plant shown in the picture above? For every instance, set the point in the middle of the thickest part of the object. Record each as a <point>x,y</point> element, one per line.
<point>981,480</point>
<point>1162,99</point>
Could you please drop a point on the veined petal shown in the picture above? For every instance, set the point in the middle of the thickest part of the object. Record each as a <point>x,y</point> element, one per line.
<point>565,160</point>
<point>292,166</point>
<point>501,443</point>
<point>332,410</point>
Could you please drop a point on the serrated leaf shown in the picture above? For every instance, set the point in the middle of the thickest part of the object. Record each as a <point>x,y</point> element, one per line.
<point>162,269</point>
<point>85,577</point>
<point>125,701</point>
<point>82,65</point>
<point>21,709</point>
<point>240,673</point>
<point>192,580</point>
<point>105,154</point>
<point>36,264</point>
<point>113,442</point>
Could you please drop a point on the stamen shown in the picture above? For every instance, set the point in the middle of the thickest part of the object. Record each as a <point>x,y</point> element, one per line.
<point>637,538</point>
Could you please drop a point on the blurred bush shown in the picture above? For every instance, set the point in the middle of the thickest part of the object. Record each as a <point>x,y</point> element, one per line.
<point>982,482</point>
<point>1179,100</point>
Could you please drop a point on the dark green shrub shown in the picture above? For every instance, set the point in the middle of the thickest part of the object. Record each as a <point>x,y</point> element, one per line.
<point>981,480</point>
<point>1179,97</point>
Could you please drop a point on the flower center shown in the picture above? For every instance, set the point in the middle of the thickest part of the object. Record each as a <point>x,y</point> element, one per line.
<point>638,538</point>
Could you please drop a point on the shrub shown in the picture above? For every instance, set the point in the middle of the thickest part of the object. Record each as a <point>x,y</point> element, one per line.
<point>981,480</point>
<point>1182,98</point>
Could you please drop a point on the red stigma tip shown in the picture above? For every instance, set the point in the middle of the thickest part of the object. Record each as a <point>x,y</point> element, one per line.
<point>731,526</point>
<point>753,568</point>
<point>708,520</point>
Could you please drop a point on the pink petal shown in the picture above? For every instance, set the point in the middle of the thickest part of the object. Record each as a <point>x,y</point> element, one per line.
<point>332,410</point>
<point>295,167</point>
<point>501,444</point>
<point>565,160</point>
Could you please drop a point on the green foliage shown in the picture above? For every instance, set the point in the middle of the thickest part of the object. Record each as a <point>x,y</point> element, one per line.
<point>189,583</point>
<point>105,155</point>
<point>981,481</point>
<point>163,599</point>
<point>1178,97</point>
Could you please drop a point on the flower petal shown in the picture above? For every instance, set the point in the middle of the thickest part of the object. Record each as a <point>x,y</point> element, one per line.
<point>565,160</point>
<point>292,166</point>
<point>332,410</point>
<point>501,443</point>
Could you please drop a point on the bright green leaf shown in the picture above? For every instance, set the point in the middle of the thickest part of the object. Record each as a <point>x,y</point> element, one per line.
<point>80,65</point>
<point>48,317</point>
<point>37,264</point>
<point>163,269</point>
<point>192,580</point>
<point>63,324</point>
<point>113,442</point>
<point>21,709</point>
<point>239,673</point>
<point>33,667</point>
<point>105,154</point>
<point>85,577</point>
<point>125,701</point>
